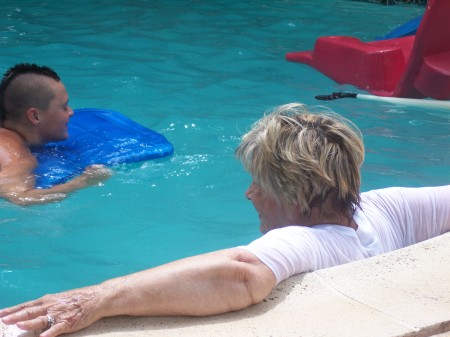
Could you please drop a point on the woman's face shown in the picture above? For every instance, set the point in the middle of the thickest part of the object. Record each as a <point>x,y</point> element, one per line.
<point>271,213</point>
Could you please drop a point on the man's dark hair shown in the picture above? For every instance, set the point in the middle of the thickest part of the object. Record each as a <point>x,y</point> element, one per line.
<point>20,69</point>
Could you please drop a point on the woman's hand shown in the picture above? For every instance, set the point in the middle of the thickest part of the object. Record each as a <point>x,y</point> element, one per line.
<point>57,313</point>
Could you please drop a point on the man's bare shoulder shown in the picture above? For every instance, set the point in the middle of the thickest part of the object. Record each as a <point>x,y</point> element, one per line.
<point>15,156</point>
<point>10,138</point>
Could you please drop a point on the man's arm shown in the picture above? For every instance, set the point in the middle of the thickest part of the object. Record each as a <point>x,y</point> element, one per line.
<point>20,187</point>
<point>17,180</point>
<point>203,285</point>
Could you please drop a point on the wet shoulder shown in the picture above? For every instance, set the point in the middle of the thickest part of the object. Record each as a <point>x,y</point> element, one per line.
<point>14,154</point>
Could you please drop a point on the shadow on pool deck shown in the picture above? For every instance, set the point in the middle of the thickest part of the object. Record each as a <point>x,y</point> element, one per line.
<point>403,293</point>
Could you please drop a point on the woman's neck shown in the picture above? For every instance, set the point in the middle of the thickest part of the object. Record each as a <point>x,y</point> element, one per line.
<point>319,217</point>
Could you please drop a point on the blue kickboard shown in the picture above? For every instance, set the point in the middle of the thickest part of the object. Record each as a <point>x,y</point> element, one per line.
<point>97,137</point>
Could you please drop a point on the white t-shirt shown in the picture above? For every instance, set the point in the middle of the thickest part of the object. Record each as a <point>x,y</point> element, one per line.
<point>389,219</point>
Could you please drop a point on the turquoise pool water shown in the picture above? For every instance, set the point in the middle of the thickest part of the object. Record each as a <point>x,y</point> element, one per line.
<point>199,72</point>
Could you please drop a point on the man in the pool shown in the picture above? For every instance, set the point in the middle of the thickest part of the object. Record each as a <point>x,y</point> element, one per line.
<point>34,110</point>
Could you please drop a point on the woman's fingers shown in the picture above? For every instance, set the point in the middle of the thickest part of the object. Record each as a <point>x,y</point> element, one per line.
<point>56,330</point>
<point>22,313</point>
<point>38,323</point>
<point>53,324</point>
<point>57,313</point>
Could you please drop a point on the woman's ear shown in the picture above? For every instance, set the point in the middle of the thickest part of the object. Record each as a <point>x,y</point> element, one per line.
<point>33,116</point>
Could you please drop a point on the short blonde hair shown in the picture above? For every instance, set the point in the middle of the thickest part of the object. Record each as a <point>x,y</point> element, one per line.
<point>305,158</point>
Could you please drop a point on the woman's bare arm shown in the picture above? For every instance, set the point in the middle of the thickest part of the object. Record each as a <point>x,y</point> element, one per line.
<point>207,284</point>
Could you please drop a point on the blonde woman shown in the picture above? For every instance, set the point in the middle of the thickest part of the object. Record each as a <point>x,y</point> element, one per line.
<point>306,189</point>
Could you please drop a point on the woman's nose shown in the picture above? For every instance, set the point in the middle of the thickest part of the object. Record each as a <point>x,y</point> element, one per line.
<point>248,193</point>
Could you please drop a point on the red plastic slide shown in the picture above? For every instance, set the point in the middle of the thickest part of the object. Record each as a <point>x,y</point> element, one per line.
<point>413,66</point>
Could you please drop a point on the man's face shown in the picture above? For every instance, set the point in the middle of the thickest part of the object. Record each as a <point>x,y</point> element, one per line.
<point>271,213</point>
<point>54,120</point>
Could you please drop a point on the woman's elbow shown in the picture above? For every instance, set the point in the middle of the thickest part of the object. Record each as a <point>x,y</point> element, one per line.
<point>258,279</point>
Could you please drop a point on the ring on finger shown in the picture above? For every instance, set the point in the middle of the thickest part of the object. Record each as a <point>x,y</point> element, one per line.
<point>50,321</point>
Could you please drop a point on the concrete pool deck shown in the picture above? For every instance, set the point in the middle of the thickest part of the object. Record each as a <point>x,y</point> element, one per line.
<point>403,293</point>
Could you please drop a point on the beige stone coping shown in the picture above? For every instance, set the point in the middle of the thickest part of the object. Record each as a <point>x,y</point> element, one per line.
<point>403,293</point>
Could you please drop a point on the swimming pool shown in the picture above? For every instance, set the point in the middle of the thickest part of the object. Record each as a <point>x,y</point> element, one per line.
<point>199,72</point>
